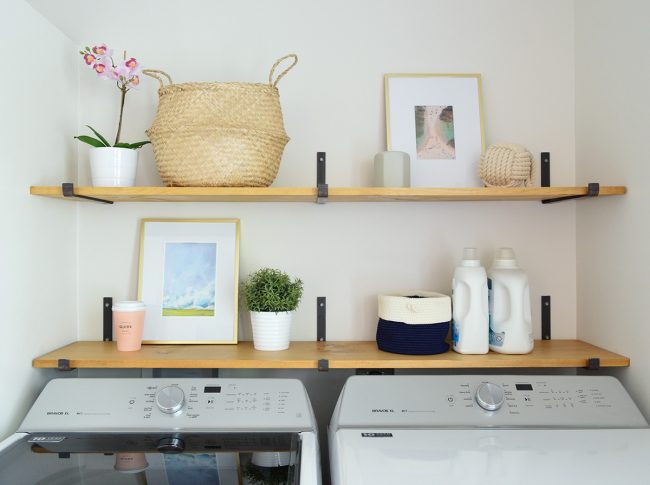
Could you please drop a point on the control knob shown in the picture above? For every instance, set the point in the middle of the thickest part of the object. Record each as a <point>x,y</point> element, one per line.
<point>170,399</point>
<point>489,396</point>
<point>171,445</point>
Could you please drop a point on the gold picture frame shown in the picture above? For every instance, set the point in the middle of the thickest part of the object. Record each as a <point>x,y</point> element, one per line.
<point>188,278</point>
<point>438,120</point>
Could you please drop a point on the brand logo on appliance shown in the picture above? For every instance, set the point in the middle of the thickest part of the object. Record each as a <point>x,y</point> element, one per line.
<point>58,413</point>
<point>383,410</point>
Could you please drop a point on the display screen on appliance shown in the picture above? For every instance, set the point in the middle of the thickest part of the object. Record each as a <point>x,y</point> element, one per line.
<point>524,387</point>
<point>211,389</point>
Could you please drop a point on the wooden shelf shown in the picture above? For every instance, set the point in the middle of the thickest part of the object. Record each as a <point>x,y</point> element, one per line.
<point>308,194</point>
<point>305,355</point>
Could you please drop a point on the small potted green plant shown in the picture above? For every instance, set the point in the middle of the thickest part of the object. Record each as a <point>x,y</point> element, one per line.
<point>112,164</point>
<point>271,296</point>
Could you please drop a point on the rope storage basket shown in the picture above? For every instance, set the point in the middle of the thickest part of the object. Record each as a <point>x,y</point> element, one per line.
<point>415,323</point>
<point>219,134</point>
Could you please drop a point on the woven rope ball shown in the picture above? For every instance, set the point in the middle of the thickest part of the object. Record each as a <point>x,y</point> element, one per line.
<point>506,165</point>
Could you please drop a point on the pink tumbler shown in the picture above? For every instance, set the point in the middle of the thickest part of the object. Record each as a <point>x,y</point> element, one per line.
<point>128,323</point>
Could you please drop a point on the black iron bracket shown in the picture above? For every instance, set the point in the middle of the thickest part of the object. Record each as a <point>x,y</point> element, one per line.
<point>546,317</point>
<point>321,318</point>
<point>545,169</point>
<point>107,309</point>
<point>321,185</point>
<point>323,365</point>
<point>63,365</point>
<point>593,189</point>
<point>593,363</point>
<point>68,191</point>
<point>375,372</point>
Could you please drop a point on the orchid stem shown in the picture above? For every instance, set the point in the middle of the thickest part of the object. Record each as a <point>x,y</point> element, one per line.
<point>119,126</point>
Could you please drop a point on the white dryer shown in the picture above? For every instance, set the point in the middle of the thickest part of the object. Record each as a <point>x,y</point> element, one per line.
<point>165,431</point>
<point>510,430</point>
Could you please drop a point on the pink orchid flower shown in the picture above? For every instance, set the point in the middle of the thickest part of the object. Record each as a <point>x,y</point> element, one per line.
<point>101,50</point>
<point>131,63</point>
<point>120,73</point>
<point>89,58</point>
<point>134,81</point>
<point>102,67</point>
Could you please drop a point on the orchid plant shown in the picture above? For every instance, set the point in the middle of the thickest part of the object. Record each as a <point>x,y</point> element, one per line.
<point>126,75</point>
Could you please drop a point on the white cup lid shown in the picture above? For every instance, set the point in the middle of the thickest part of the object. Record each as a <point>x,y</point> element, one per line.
<point>129,306</point>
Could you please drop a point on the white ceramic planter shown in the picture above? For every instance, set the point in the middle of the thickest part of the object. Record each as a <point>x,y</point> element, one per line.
<point>113,167</point>
<point>271,330</point>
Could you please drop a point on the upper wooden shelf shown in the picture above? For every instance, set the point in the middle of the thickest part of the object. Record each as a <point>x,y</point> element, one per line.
<point>308,194</point>
<point>305,355</point>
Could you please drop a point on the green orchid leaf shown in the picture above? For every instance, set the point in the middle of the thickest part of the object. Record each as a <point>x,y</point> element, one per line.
<point>98,135</point>
<point>139,144</point>
<point>91,141</point>
<point>122,145</point>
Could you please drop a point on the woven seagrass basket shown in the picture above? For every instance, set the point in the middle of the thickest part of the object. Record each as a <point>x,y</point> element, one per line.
<point>219,134</point>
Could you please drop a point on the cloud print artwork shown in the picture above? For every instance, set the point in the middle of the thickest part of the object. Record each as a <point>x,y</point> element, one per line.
<point>189,279</point>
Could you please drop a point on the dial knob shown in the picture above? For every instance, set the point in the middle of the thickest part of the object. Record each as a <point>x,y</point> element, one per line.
<point>489,396</point>
<point>170,399</point>
<point>171,445</point>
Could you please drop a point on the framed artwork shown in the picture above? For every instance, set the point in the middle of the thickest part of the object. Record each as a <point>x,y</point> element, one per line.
<point>438,120</point>
<point>188,280</point>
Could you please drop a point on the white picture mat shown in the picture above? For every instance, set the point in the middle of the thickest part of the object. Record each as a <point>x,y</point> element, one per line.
<point>461,92</point>
<point>221,328</point>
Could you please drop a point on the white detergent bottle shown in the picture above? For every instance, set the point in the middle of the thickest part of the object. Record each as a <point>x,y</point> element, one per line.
<point>470,327</point>
<point>511,327</point>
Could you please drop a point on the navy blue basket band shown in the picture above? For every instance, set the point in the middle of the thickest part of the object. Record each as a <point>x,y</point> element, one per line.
<point>420,339</point>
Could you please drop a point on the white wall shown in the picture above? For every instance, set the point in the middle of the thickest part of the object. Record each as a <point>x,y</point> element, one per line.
<point>38,100</point>
<point>612,119</point>
<point>333,101</point>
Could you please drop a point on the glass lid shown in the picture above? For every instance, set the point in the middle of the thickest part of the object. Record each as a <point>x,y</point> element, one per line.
<point>190,459</point>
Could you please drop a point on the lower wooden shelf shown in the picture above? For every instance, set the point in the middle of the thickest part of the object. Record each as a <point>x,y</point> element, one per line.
<point>305,355</point>
<point>308,194</point>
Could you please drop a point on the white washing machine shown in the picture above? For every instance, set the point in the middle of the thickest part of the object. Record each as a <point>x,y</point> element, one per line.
<point>167,432</point>
<point>514,430</point>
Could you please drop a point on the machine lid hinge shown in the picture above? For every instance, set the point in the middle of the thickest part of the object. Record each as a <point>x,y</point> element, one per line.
<point>375,372</point>
<point>323,365</point>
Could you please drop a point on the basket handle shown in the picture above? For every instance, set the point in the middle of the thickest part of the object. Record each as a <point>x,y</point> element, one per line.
<point>155,73</point>
<point>283,73</point>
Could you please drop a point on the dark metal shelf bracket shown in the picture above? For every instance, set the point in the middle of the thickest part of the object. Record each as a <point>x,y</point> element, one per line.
<point>321,185</point>
<point>593,189</point>
<point>546,317</point>
<point>593,363</point>
<point>323,365</point>
<point>68,191</point>
<point>107,311</point>
<point>321,318</point>
<point>63,365</point>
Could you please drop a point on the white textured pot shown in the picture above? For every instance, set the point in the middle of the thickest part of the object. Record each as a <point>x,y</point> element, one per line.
<point>271,330</point>
<point>113,167</point>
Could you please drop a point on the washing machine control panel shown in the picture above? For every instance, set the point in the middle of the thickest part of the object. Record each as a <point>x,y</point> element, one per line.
<point>227,404</point>
<point>488,401</point>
